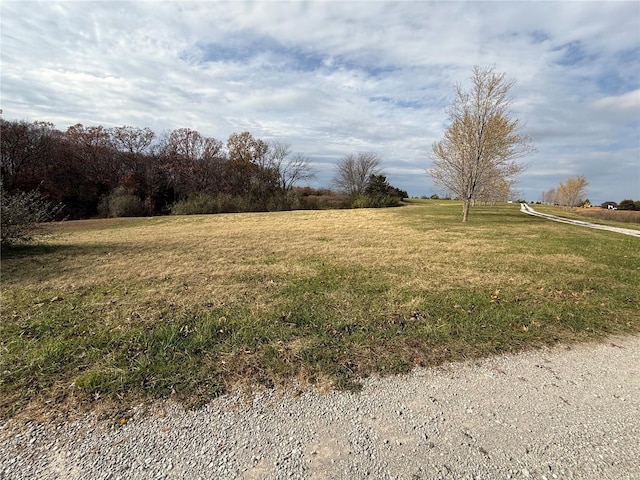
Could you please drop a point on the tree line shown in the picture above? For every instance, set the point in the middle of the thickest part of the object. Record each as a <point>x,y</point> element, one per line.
<point>89,171</point>
<point>130,171</point>
<point>572,192</point>
<point>93,169</point>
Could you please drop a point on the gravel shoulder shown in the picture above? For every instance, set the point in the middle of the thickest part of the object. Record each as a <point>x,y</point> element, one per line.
<point>566,412</point>
<point>530,211</point>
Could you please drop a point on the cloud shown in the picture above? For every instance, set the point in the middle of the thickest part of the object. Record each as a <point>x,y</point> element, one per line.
<point>333,78</point>
<point>627,102</point>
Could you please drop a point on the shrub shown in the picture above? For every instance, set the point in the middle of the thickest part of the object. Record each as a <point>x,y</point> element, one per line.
<point>361,201</point>
<point>323,200</point>
<point>196,204</point>
<point>282,201</point>
<point>21,214</point>
<point>375,201</point>
<point>202,203</point>
<point>627,205</point>
<point>121,203</point>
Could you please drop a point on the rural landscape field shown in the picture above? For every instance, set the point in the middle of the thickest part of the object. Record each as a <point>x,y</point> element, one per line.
<point>111,311</point>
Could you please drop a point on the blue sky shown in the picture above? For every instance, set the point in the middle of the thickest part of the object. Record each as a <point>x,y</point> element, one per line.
<point>335,78</point>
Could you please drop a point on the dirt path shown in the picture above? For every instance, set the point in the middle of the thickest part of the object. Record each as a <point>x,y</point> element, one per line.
<point>552,413</point>
<point>626,231</point>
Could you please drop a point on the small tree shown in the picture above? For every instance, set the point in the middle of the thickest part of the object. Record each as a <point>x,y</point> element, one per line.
<point>482,143</point>
<point>21,215</point>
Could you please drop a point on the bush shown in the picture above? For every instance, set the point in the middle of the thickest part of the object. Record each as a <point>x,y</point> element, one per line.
<point>319,199</point>
<point>202,203</point>
<point>627,205</point>
<point>196,204</point>
<point>121,203</point>
<point>283,201</point>
<point>375,201</point>
<point>226,203</point>
<point>21,214</point>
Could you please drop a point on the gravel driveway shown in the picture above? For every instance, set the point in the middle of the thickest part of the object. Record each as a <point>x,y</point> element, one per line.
<point>552,413</point>
<point>530,211</point>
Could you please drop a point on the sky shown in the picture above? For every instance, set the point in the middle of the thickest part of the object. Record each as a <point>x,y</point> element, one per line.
<point>337,78</point>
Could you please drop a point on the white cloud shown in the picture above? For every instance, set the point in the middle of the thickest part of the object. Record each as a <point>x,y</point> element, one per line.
<point>627,102</point>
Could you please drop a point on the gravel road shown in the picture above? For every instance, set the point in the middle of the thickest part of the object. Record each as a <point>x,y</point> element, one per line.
<point>552,413</point>
<point>530,211</point>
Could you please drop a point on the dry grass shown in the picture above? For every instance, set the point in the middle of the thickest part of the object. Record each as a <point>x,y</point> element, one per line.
<point>624,216</point>
<point>195,260</point>
<point>112,309</point>
<point>617,218</point>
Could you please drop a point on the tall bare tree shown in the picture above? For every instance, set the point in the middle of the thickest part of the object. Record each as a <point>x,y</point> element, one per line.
<point>569,194</point>
<point>22,145</point>
<point>353,172</point>
<point>244,170</point>
<point>289,168</point>
<point>132,140</point>
<point>244,148</point>
<point>482,142</point>
<point>548,196</point>
<point>93,147</point>
<point>193,162</point>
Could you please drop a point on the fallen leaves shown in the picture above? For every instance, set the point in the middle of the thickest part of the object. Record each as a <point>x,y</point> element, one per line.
<point>495,297</point>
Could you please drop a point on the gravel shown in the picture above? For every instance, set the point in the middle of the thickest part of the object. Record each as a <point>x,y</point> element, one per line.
<point>552,413</point>
<point>626,231</point>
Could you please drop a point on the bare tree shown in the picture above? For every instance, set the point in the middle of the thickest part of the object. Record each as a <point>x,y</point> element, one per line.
<point>244,148</point>
<point>132,140</point>
<point>93,146</point>
<point>482,142</point>
<point>22,145</point>
<point>570,193</point>
<point>549,196</point>
<point>289,168</point>
<point>193,162</point>
<point>353,172</point>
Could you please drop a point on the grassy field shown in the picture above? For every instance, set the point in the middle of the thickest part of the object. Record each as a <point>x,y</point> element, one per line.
<point>108,312</point>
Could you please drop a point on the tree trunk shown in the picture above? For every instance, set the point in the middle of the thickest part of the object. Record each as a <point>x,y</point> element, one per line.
<point>465,210</point>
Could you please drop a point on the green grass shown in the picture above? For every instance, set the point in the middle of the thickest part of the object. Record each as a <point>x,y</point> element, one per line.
<point>109,312</point>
